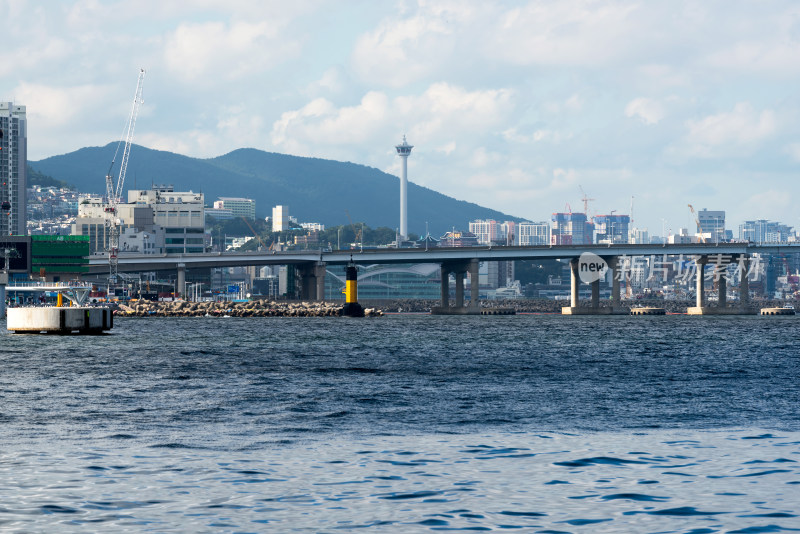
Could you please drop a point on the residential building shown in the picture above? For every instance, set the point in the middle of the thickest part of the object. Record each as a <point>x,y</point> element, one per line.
<point>533,233</point>
<point>280,218</point>
<point>13,168</point>
<point>571,229</point>
<point>317,227</point>
<point>638,236</point>
<point>764,231</point>
<point>489,231</point>
<point>611,228</point>
<point>485,231</point>
<point>219,214</point>
<point>240,207</point>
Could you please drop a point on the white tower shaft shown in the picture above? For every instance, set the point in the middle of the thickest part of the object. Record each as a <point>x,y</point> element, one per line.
<point>404,199</point>
<point>404,150</point>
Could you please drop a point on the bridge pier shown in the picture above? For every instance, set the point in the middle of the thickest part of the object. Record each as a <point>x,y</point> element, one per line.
<point>459,269</point>
<point>594,304</point>
<point>722,308</point>
<point>312,281</point>
<point>180,285</point>
<point>3,282</point>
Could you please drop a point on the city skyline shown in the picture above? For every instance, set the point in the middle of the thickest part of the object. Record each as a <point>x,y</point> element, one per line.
<point>513,106</point>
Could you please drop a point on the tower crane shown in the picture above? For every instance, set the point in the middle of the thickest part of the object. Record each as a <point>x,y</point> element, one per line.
<point>114,194</point>
<point>586,201</point>
<point>697,222</point>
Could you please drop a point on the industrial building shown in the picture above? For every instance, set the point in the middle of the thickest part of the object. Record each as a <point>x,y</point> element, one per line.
<point>153,221</point>
<point>13,168</point>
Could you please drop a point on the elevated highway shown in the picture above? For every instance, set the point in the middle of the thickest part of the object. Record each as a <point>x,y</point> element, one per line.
<point>311,266</point>
<point>131,263</point>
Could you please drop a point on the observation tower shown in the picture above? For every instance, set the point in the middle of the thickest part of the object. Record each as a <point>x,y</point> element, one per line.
<point>404,150</point>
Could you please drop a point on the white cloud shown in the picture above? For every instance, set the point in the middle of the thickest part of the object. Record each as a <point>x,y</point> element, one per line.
<point>226,50</point>
<point>647,110</point>
<point>793,149</point>
<point>433,117</point>
<point>56,107</point>
<point>741,129</point>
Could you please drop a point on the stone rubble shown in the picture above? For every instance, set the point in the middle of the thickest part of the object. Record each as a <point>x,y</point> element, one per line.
<point>255,308</point>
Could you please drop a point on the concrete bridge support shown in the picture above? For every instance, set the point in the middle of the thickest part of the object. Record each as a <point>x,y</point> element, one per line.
<point>744,283</point>
<point>3,283</point>
<point>459,308</point>
<point>312,281</point>
<point>180,285</point>
<point>701,306</point>
<point>594,304</point>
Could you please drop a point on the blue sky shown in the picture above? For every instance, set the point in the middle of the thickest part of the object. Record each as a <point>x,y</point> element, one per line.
<point>513,105</point>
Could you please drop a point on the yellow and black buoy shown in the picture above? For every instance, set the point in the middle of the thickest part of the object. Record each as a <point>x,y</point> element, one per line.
<point>351,306</point>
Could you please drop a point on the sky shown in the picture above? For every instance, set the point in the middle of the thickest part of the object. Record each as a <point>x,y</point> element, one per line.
<point>523,107</point>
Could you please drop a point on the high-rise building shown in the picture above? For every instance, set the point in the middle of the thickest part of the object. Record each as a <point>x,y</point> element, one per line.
<point>712,225</point>
<point>764,231</point>
<point>533,233</point>
<point>489,232</point>
<point>404,150</point>
<point>484,230</point>
<point>571,229</point>
<point>280,218</point>
<point>13,168</point>
<point>240,207</point>
<point>611,228</point>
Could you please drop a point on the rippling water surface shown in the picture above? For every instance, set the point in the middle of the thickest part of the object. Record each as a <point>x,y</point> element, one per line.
<point>406,423</point>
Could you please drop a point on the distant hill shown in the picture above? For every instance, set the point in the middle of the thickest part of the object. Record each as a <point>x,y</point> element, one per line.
<point>316,190</point>
<point>37,178</point>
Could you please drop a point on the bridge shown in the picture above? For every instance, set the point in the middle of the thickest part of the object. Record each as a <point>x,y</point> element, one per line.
<point>460,261</point>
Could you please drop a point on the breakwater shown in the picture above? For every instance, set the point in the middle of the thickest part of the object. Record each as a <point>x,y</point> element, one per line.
<point>253,308</point>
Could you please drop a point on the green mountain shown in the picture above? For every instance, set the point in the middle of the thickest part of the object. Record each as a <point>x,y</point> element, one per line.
<point>316,190</point>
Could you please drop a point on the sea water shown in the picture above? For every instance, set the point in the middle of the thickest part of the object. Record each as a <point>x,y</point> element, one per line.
<point>406,423</point>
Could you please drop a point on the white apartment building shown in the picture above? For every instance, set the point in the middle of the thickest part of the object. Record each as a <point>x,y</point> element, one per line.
<point>240,207</point>
<point>533,233</point>
<point>280,218</point>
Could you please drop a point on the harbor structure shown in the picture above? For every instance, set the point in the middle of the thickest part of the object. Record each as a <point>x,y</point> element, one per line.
<point>404,150</point>
<point>13,168</point>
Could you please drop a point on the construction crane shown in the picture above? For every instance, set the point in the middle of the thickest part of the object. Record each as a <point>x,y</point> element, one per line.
<point>586,201</point>
<point>255,234</point>
<point>114,194</point>
<point>357,233</point>
<point>697,222</point>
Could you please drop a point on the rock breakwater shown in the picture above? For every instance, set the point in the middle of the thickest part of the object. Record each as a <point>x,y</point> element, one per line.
<point>255,308</point>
